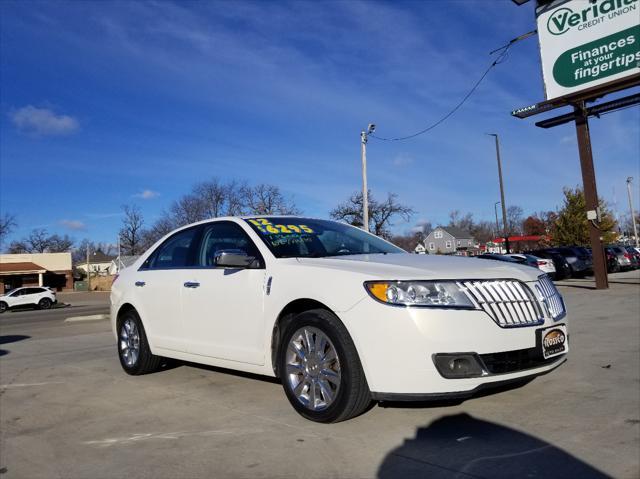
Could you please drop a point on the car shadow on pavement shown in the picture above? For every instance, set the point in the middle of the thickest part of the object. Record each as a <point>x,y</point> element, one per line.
<point>230,372</point>
<point>11,338</point>
<point>461,446</point>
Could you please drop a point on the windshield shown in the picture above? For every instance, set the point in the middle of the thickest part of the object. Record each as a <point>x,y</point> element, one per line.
<point>292,237</point>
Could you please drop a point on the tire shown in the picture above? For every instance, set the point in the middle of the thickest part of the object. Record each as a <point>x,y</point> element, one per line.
<point>45,303</point>
<point>329,390</point>
<point>3,307</point>
<point>133,348</point>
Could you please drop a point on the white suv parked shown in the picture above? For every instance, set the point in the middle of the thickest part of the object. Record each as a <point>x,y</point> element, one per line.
<point>39,297</point>
<point>341,316</point>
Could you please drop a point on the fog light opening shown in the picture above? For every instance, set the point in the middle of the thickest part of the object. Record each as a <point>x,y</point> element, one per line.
<point>452,366</point>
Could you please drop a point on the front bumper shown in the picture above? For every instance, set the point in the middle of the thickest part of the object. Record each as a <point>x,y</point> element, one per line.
<point>461,395</point>
<point>396,347</point>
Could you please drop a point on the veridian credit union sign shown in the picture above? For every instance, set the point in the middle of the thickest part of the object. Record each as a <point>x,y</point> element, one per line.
<point>586,43</point>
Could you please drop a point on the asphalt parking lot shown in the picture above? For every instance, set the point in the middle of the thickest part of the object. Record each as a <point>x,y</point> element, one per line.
<point>67,410</point>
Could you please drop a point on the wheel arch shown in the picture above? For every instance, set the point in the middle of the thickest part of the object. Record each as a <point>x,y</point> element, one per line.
<point>286,315</point>
<point>125,308</point>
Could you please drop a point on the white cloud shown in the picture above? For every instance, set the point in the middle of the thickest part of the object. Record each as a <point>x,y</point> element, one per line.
<point>75,225</point>
<point>147,194</point>
<point>403,159</point>
<point>568,139</point>
<point>43,122</point>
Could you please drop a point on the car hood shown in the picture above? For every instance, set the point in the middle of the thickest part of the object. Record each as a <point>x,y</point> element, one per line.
<point>425,267</point>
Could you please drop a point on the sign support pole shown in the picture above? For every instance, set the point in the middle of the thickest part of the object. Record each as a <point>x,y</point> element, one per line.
<point>590,194</point>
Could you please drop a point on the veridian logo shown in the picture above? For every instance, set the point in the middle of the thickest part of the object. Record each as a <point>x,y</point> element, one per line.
<point>558,23</point>
<point>564,18</point>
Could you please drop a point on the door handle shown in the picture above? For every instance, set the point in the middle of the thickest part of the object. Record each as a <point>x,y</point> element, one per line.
<point>191,284</point>
<point>140,283</point>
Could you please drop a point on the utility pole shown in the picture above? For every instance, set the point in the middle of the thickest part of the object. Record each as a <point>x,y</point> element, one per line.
<point>590,194</point>
<point>633,215</point>
<point>495,210</point>
<point>365,190</point>
<point>88,270</point>
<point>504,208</point>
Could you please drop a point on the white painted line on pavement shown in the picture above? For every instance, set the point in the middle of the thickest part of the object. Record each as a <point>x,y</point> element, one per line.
<point>91,317</point>
<point>26,385</point>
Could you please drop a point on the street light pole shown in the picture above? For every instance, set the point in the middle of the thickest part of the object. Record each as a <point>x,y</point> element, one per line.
<point>365,190</point>
<point>633,215</point>
<point>495,210</point>
<point>504,208</point>
<point>364,135</point>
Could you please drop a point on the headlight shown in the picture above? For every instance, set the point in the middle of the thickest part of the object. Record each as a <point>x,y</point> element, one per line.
<point>438,294</point>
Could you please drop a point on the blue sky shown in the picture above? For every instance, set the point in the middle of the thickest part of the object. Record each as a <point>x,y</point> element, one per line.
<point>110,103</point>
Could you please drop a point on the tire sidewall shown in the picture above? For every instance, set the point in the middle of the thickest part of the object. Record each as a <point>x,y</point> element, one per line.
<point>4,307</point>
<point>135,369</point>
<point>312,319</point>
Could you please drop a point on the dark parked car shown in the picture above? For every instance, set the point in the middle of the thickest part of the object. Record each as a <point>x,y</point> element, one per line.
<point>563,270</point>
<point>613,266</point>
<point>579,259</point>
<point>623,258</point>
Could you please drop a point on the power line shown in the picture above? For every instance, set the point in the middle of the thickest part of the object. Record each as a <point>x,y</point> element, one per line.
<point>501,58</point>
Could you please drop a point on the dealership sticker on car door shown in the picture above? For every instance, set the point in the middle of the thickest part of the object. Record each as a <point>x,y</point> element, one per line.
<point>553,341</point>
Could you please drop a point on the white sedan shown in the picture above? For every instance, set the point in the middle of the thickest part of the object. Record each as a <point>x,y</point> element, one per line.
<point>341,316</point>
<point>544,265</point>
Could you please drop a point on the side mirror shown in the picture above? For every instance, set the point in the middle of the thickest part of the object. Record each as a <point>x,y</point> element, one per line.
<point>233,258</point>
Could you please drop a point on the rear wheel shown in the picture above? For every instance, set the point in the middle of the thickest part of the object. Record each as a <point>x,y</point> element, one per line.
<point>44,303</point>
<point>133,347</point>
<point>320,369</point>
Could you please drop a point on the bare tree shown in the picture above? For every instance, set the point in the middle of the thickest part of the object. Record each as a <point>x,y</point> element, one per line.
<point>381,214</point>
<point>160,228</point>
<point>18,247</point>
<point>514,220</point>
<point>39,241</point>
<point>408,242</point>
<point>424,227</point>
<point>458,220</point>
<point>213,198</point>
<point>187,209</point>
<point>219,199</point>
<point>7,225</point>
<point>79,253</point>
<point>483,231</point>
<point>266,199</point>
<point>60,244</point>
<point>131,232</point>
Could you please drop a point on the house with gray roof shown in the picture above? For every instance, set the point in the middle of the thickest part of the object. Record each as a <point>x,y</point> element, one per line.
<point>448,240</point>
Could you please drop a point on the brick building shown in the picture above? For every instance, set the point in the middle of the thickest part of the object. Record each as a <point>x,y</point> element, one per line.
<point>37,269</point>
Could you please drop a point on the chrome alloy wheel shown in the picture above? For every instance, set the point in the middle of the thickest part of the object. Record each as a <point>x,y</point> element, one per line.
<point>312,368</point>
<point>129,342</point>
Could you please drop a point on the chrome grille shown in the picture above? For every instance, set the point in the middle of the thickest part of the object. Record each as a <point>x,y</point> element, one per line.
<point>510,303</point>
<point>551,298</point>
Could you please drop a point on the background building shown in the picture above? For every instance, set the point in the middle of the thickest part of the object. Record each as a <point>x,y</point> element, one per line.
<point>99,264</point>
<point>37,269</point>
<point>448,240</point>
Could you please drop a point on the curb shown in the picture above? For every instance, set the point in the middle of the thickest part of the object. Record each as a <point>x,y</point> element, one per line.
<point>92,317</point>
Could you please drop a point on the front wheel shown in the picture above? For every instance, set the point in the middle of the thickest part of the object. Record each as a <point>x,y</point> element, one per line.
<point>3,307</point>
<point>133,348</point>
<point>320,369</point>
